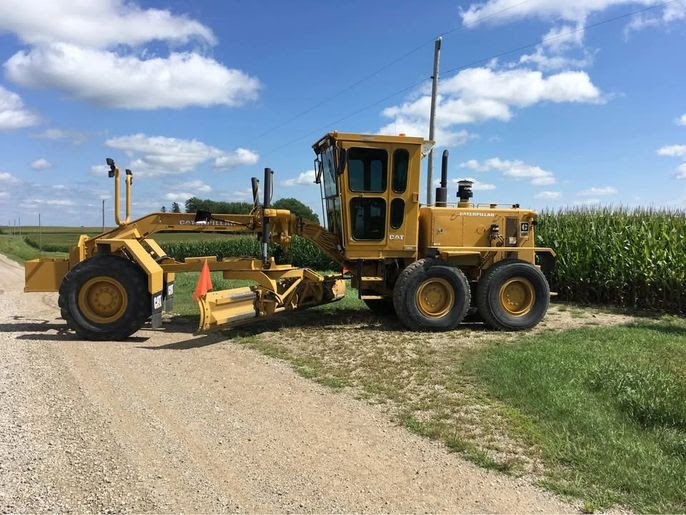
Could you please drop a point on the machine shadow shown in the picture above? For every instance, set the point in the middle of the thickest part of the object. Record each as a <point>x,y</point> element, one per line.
<point>40,330</point>
<point>338,320</point>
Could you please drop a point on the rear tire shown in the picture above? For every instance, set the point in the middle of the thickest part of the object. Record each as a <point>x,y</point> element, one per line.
<point>381,307</point>
<point>513,295</point>
<point>105,298</point>
<point>430,294</point>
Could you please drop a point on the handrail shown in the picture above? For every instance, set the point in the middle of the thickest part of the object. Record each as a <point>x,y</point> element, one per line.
<point>114,172</point>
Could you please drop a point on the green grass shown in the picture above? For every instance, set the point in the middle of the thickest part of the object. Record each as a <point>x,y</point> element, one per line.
<point>184,286</point>
<point>606,407</point>
<point>17,249</point>
<point>62,239</point>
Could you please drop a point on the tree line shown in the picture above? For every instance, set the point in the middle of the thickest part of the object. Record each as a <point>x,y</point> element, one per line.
<point>195,204</point>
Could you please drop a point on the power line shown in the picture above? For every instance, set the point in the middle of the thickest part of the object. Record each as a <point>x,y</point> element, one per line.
<point>473,63</point>
<point>382,68</point>
<point>354,113</point>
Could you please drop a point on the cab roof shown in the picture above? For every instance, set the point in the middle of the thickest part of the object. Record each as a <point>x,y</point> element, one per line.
<point>370,138</point>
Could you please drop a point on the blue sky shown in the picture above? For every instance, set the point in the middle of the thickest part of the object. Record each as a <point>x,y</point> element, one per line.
<point>196,97</point>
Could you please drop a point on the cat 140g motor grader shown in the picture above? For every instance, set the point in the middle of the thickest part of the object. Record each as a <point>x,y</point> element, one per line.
<point>428,264</point>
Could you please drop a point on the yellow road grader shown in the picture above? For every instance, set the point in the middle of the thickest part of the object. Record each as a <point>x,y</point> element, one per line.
<point>428,264</point>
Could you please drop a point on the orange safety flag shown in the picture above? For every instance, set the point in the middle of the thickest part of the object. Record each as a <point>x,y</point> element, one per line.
<point>204,282</point>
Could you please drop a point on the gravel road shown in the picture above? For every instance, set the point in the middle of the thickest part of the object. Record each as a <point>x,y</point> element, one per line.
<point>171,422</point>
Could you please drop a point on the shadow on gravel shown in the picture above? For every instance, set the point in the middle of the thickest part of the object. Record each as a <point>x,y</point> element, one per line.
<point>191,343</point>
<point>339,320</point>
<point>37,330</point>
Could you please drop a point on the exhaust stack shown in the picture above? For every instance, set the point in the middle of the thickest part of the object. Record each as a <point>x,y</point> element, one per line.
<point>442,191</point>
<point>464,193</point>
<point>266,230</point>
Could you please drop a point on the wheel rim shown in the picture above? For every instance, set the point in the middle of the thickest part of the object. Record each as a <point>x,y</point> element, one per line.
<point>103,299</point>
<point>435,297</point>
<point>517,296</point>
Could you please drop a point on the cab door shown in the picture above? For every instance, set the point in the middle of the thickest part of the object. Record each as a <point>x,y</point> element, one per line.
<point>381,204</point>
<point>366,192</point>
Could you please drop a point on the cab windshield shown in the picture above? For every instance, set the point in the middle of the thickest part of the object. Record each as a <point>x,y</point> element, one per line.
<point>332,200</point>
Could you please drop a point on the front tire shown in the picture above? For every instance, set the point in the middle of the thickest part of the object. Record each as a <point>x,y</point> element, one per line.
<point>513,295</point>
<point>430,294</point>
<point>105,298</point>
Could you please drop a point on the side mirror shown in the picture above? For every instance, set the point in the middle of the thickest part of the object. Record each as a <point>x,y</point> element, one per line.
<point>255,192</point>
<point>342,156</point>
<point>318,169</point>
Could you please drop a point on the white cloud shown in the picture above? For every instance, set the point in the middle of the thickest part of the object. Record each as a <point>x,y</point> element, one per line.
<point>13,113</point>
<point>304,178</point>
<point>95,51</point>
<point>570,17</point>
<point>74,137</point>
<point>197,186</point>
<point>673,151</point>
<point>682,120</point>
<point>99,170</point>
<point>480,94</point>
<point>41,164</point>
<point>598,192</point>
<point>546,60</point>
<point>159,155</point>
<point>97,24</point>
<point>516,169</point>
<point>8,178</point>
<point>587,202</point>
<point>477,185</point>
<point>503,11</point>
<point>108,79</point>
<point>4,194</point>
<point>178,197</point>
<point>673,11</point>
<point>548,195</point>
<point>58,202</point>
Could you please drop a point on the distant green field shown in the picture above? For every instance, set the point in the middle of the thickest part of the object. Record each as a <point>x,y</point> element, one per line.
<point>61,239</point>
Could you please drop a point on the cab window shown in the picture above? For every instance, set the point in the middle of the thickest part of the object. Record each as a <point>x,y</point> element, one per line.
<point>368,218</point>
<point>367,170</point>
<point>401,161</point>
<point>397,213</point>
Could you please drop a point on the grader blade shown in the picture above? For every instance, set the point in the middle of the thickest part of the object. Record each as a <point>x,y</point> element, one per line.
<point>226,307</point>
<point>237,306</point>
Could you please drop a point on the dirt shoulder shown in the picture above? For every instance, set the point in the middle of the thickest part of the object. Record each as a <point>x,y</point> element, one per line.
<point>172,422</point>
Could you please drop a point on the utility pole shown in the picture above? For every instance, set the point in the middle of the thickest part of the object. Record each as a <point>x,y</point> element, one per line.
<point>103,215</point>
<point>432,121</point>
<point>40,236</point>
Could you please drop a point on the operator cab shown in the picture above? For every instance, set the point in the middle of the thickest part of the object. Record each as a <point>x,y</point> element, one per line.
<point>370,192</point>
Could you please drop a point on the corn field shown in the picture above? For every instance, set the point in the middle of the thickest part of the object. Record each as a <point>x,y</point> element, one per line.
<point>629,258</point>
<point>302,253</point>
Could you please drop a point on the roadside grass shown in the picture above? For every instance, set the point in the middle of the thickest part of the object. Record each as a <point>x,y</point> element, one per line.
<point>15,248</point>
<point>605,406</point>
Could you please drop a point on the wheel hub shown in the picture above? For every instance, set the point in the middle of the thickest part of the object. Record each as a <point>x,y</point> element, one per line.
<point>435,297</point>
<point>102,299</point>
<point>517,296</point>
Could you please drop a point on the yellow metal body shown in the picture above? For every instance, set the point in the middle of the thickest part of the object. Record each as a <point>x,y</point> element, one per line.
<point>460,233</point>
<point>374,226</point>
